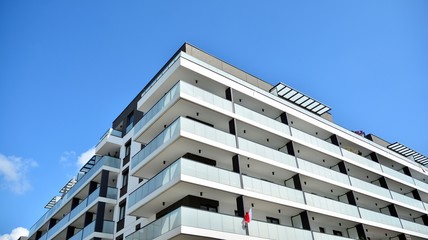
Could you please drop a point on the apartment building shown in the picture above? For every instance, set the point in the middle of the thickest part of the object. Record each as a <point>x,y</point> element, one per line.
<point>207,151</point>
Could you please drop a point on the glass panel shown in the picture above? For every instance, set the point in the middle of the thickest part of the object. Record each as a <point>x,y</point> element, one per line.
<point>266,152</point>
<point>210,173</point>
<point>361,160</point>
<point>399,175</point>
<point>371,188</point>
<point>164,136</point>
<point>307,138</point>
<point>323,236</point>
<point>407,200</point>
<point>331,205</point>
<point>208,132</point>
<point>108,227</point>
<point>192,218</point>
<point>322,171</point>
<point>421,184</point>
<point>274,231</point>
<point>154,183</point>
<point>272,189</point>
<point>379,218</point>
<point>88,230</point>
<point>206,96</point>
<point>259,119</point>
<point>412,226</point>
<point>168,98</point>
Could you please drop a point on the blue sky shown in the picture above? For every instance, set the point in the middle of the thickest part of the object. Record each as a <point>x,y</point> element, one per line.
<point>68,68</point>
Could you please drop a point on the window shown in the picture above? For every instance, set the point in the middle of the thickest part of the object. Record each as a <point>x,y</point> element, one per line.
<point>272,220</point>
<point>129,122</point>
<point>122,210</point>
<point>130,119</point>
<point>322,230</point>
<point>125,177</point>
<point>337,233</point>
<point>208,208</point>
<point>127,148</point>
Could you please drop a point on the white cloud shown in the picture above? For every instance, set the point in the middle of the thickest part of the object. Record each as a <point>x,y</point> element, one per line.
<point>67,158</point>
<point>84,157</point>
<point>15,234</point>
<point>13,171</point>
<point>70,158</point>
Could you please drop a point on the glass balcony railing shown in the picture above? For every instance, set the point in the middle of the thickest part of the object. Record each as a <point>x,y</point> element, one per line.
<point>111,193</point>
<point>307,138</point>
<point>272,189</point>
<point>266,152</point>
<point>43,237</point>
<point>331,205</point>
<point>379,217</point>
<point>169,97</point>
<point>412,226</point>
<point>260,119</point>
<point>129,127</point>
<point>184,167</point>
<point>361,160</point>
<point>170,132</point>
<point>323,236</point>
<point>407,200</point>
<point>275,231</point>
<point>399,175</point>
<point>187,125</point>
<point>103,161</point>
<point>373,189</point>
<point>209,133</point>
<point>205,96</point>
<point>174,93</point>
<point>162,178</point>
<point>322,171</point>
<point>189,217</point>
<point>421,184</point>
<point>108,227</point>
<point>111,132</point>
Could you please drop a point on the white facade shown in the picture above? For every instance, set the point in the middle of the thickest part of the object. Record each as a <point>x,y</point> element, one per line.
<point>214,142</point>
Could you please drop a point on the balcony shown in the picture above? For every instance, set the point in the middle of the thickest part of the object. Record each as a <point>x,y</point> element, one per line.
<point>415,227</point>
<point>195,222</point>
<point>186,128</point>
<point>380,219</point>
<point>326,174</point>
<point>267,154</point>
<point>195,98</point>
<point>261,121</point>
<point>184,171</point>
<point>411,202</point>
<point>109,143</point>
<point>168,99</point>
<point>275,231</point>
<point>370,189</point>
<point>398,176</point>
<point>316,143</point>
<point>332,205</point>
<point>360,161</point>
<point>189,221</point>
<point>91,200</point>
<point>89,232</point>
<point>104,162</point>
<point>273,190</point>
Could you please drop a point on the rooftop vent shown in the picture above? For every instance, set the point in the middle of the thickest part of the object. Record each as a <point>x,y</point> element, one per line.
<point>409,153</point>
<point>300,99</point>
